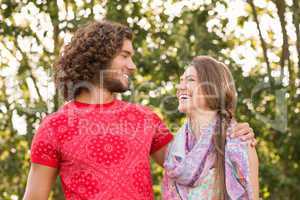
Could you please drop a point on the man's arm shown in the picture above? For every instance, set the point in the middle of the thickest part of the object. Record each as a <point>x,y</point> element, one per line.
<point>39,182</point>
<point>159,156</point>
<point>241,130</point>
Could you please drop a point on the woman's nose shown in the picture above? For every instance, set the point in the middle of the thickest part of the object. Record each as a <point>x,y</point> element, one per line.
<point>181,86</point>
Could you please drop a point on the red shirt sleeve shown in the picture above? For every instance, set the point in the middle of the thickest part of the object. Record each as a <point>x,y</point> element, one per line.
<point>162,135</point>
<point>44,147</point>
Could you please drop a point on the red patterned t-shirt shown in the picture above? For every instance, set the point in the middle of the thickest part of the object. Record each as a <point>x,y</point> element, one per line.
<point>101,151</point>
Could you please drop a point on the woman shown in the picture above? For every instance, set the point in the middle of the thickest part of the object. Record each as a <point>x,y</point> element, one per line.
<point>203,162</point>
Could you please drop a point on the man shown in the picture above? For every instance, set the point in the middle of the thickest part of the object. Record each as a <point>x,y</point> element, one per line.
<point>98,145</point>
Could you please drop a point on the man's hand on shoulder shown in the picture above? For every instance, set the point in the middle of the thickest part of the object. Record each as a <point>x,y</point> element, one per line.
<point>245,132</point>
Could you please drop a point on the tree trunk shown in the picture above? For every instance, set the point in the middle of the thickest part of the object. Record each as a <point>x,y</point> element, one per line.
<point>53,11</point>
<point>296,21</point>
<point>285,55</point>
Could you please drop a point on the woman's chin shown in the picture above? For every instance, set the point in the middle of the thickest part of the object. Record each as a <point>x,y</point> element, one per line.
<point>182,109</point>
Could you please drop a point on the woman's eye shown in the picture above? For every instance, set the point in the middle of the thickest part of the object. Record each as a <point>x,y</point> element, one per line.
<point>190,79</point>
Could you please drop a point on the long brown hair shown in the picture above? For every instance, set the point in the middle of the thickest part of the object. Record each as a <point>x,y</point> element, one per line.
<point>218,89</point>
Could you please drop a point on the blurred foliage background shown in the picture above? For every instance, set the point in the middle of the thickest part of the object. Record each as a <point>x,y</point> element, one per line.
<point>258,39</point>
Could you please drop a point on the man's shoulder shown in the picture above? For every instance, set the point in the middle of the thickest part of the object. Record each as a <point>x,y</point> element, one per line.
<point>51,119</point>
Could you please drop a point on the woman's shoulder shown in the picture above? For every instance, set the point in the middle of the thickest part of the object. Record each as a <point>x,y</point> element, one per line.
<point>232,142</point>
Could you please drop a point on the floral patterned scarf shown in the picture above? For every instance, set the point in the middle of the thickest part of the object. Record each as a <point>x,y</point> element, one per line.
<point>187,169</point>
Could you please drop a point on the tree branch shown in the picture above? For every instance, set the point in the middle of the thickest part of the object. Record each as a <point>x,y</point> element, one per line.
<point>32,76</point>
<point>9,124</point>
<point>53,12</point>
<point>285,54</point>
<point>296,21</point>
<point>263,44</point>
<point>25,60</point>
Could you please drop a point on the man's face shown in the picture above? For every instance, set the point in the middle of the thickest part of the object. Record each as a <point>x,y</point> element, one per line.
<point>116,78</point>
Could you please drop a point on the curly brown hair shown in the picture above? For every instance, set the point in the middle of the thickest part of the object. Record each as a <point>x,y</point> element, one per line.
<point>92,48</point>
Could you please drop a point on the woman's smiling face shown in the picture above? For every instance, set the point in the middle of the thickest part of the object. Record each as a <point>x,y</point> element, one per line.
<point>189,92</point>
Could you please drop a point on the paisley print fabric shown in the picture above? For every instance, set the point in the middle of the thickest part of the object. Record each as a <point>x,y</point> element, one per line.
<point>189,167</point>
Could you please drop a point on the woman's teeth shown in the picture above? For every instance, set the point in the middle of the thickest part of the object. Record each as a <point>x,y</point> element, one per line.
<point>184,97</point>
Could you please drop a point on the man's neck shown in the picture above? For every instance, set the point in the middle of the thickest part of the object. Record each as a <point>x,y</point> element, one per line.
<point>96,96</point>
